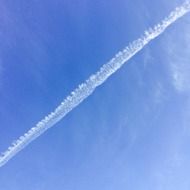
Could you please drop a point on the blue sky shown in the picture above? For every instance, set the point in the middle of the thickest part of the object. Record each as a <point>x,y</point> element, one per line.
<point>132,133</point>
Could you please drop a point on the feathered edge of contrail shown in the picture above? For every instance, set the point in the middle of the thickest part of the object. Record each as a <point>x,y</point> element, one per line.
<point>86,88</point>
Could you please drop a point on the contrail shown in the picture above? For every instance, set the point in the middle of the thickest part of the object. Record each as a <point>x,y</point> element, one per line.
<point>85,89</point>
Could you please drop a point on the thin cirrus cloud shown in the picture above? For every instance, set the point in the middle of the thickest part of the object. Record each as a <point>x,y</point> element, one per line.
<point>1,74</point>
<point>86,89</point>
<point>179,64</point>
<point>178,58</point>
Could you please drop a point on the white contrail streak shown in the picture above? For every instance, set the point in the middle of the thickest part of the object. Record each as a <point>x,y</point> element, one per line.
<point>85,89</point>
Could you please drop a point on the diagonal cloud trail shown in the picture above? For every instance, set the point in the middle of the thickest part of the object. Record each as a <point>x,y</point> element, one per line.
<point>85,89</point>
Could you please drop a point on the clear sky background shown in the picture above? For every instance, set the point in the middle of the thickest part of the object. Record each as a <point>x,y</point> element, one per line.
<point>132,133</point>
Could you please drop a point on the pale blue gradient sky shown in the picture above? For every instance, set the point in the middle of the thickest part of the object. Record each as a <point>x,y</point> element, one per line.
<point>132,133</point>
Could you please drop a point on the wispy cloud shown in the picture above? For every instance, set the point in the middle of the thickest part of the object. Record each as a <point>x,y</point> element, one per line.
<point>86,89</point>
<point>178,50</point>
<point>1,75</point>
